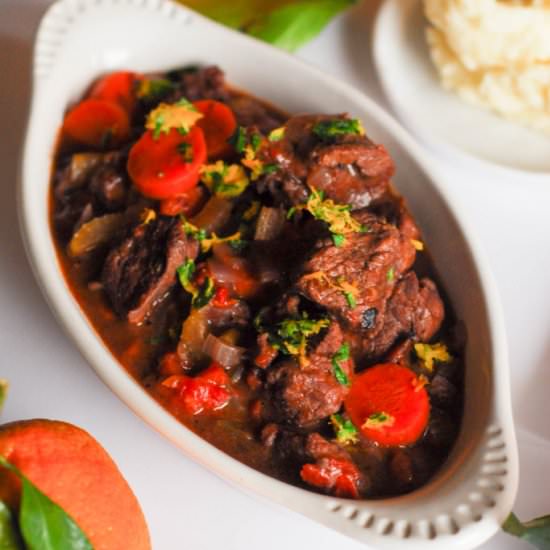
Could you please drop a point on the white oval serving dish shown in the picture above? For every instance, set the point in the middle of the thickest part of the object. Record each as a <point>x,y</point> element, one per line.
<point>473,493</point>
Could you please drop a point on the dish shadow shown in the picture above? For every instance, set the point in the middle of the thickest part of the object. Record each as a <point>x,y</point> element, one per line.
<point>15,63</point>
<point>534,399</point>
<point>15,91</point>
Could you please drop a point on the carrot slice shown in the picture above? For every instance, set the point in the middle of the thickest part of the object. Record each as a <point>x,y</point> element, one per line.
<point>97,123</point>
<point>389,405</point>
<point>167,165</point>
<point>218,125</point>
<point>118,88</point>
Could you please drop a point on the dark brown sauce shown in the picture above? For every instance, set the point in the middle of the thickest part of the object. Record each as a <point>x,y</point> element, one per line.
<point>138,349</point>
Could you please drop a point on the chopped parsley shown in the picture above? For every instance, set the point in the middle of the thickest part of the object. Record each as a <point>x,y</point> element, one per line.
<point>255,142</point>
<point>379,420</point>
<point>277,135</point>
<point>337,216</point>
<point>201,294</point>
<point>350,298</point>
<point>343,354</point>
<point>150,89</point>
<point>225,180</point>
<point>181,115</point>
<point>390,274</point>
<point>338,240</point>
<point>270,168</point>
<point>207,242</point>
<point>291,335</point>
<point>238,140</point>
<point>429,353</point>
<point>344,429</point>
<point>185,275</point>
<point>328,129</point>
<point>205,293</point>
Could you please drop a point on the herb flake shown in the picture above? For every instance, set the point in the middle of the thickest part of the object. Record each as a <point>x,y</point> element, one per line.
<point>329,129</point>
<point>291,336</point>
<point>344,429</point>
<point>342,355</point>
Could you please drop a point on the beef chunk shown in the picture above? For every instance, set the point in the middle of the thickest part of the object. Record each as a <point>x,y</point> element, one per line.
<point>443,392</point>
<point>141,270</point>
<point>109,187</point>
<point>251,112</point>
<point>355,174</point>
<point>394,210</point>
<point>303,395</point>
<point>415,309</point>
<point>200,83</point>
<point>371,262</point>
<point>349,168</point>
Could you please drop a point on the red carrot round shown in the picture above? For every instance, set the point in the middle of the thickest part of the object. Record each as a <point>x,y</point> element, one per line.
<point>389,405</point>
<point>118,88</point>
<point>167,165</point>
<point>97,123</point>
<point>218,125</point>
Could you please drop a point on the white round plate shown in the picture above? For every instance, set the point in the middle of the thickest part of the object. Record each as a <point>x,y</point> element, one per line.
<point>440,118</point>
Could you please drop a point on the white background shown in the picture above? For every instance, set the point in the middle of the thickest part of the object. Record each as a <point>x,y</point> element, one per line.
<point>186,506</point>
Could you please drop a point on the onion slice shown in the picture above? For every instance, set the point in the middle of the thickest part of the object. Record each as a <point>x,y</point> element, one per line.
<point>214,215</point>
<point>270,224</point>
<point>222,352</point>
<point>96,232</point>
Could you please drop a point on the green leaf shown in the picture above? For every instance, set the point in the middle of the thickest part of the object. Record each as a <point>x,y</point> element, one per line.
<point>45,525</point>
<point>292,25</point>
<point>536,531</point>
<point>9,536</point>
<point>3,391</point>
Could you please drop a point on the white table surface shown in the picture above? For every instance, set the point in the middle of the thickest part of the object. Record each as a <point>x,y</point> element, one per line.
<point>186,506</point>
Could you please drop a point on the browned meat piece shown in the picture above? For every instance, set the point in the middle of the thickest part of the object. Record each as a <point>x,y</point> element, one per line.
<point>443,392</point>
<point>371,262</point>
<point>409,467</point>
<point>318,447</point>
<point>304,395</point>
<point>394,210</point>
<point>442,429</point>
<point>200,83</point>
<point>355,174</point>
<point>349,168</point>
<point>109,187</point>
<point>415,309</point>
<point>141,270</point>
<point>400,354</point>
<point>251,112</point>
